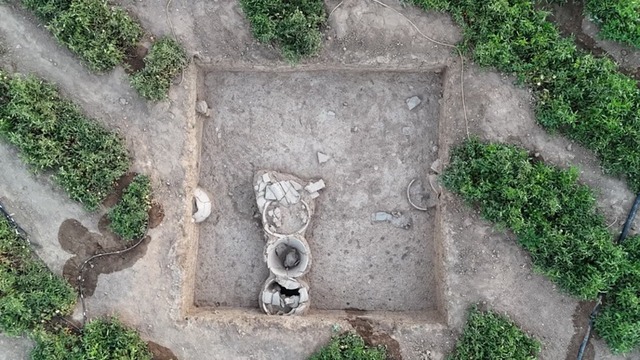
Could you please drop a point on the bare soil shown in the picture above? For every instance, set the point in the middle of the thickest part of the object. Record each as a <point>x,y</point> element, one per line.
<point>281,120</point>
<point>471,262</point>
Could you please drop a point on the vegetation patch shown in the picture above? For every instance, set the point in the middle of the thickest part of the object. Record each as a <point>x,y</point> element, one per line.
<point>97,31</point>
<point>130,217</point>
<point>488,335</point>
<point>581,96</point>
<point>553,216</point>
<point>294,25</point>
<point>99,339</point>
<point>165,60</point>
<point>618,322</point>
<point>53,134</point>
<point>349,346</point>
<point>618,20</point>
<point>30,294</point>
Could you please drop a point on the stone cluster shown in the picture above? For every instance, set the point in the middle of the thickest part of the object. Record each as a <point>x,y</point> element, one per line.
<point>287,205</point>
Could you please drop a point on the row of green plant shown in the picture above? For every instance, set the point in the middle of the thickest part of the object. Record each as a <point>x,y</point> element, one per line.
<point>577,94</point>
<point>294,25</point>
<point>52,134</point>
<point>98,339</point>
<point>555,219</point>
<point>33,300</point>
<point>30,294</point>
<point>102,34</point>
<point>349,346</point>
<point>130,217</point>
<point>489,335</point>
<point>486,335</point>
<point>165,61</point>
<point>618,20</point>
<point>618,321</point>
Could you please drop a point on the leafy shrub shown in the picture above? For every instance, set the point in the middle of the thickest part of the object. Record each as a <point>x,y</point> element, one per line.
<point>52,134</point>
<point>294,25</point>
<point>488,335</point>
<point>29,293</point>
<point>46,10</point>
<point>98,32</point>
<point>110,339</point>
<point>100,339</point>
<point>56,344</point>
<point>583,97</point>
<point>618,20</point>
<point>553,216</point>
<point>349,346</point>
<point>130,217</point>
<point>618,322</point>
<point>165,60</point>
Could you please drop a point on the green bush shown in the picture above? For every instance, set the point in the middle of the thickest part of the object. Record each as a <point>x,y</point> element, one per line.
<point>583,97</point>
<point>165,60</point>
<point>488,335</point>
<point>294,25</point>
<point>100,339</point>
<point>130,217</point>
<point>553,216</point>
<point>618,322</point>
<point>97,31</point>
<point>618,20</point>
<point>349,346</point>
<point>30,294</point>
<point>46,10</point>
<point>52,134</point>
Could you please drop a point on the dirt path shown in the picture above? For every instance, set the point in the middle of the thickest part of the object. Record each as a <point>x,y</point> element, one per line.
<point>156,294</point>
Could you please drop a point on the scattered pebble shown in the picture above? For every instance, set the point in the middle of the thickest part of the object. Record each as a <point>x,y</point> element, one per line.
<point>323,158</point>
<point>202,108</point>
<point>412,102</point>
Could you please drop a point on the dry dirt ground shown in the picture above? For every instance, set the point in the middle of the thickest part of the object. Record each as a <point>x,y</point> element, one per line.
<point>192,288</point>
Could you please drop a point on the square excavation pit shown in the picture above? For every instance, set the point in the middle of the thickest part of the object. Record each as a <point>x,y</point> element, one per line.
<point>280,120</point>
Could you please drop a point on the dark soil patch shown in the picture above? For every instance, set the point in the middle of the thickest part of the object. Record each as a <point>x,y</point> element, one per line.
<point>373,337</point>
<point>160,352</point>
<point>568,18</point>
<point>115,196</point>
<point>580,324</point>
<point>156,215</point>
<point>134,60</point>
<point>78,240</point>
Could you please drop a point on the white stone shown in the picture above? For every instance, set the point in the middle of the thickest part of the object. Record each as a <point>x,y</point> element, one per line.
<point>266,297</point>
<point>323,158</point>
<point>269,195</point>
<point>296,186</point>
<point>266,178</point>
<point>261,202</point>
<point>412,102</point>
<point>276,190</point>
<point>304,295</point>
<point>314,195</point>
<point>203,205</point>
<point>315,187</point>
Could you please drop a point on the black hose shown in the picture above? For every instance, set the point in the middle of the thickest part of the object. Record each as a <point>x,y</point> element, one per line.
<point>630,217</point>
<point>594,312</point>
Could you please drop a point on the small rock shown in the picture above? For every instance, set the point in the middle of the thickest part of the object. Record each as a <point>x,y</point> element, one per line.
<point>331,113</point>
<point>202,108</point>
<point>434,149</point>
<point>412,102</point>
<point>436,166</point>
<point>123,101</point>
<point>569,147</point>
<point>315,187</point>
<point>354,129</point>
<point>323,158</point>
